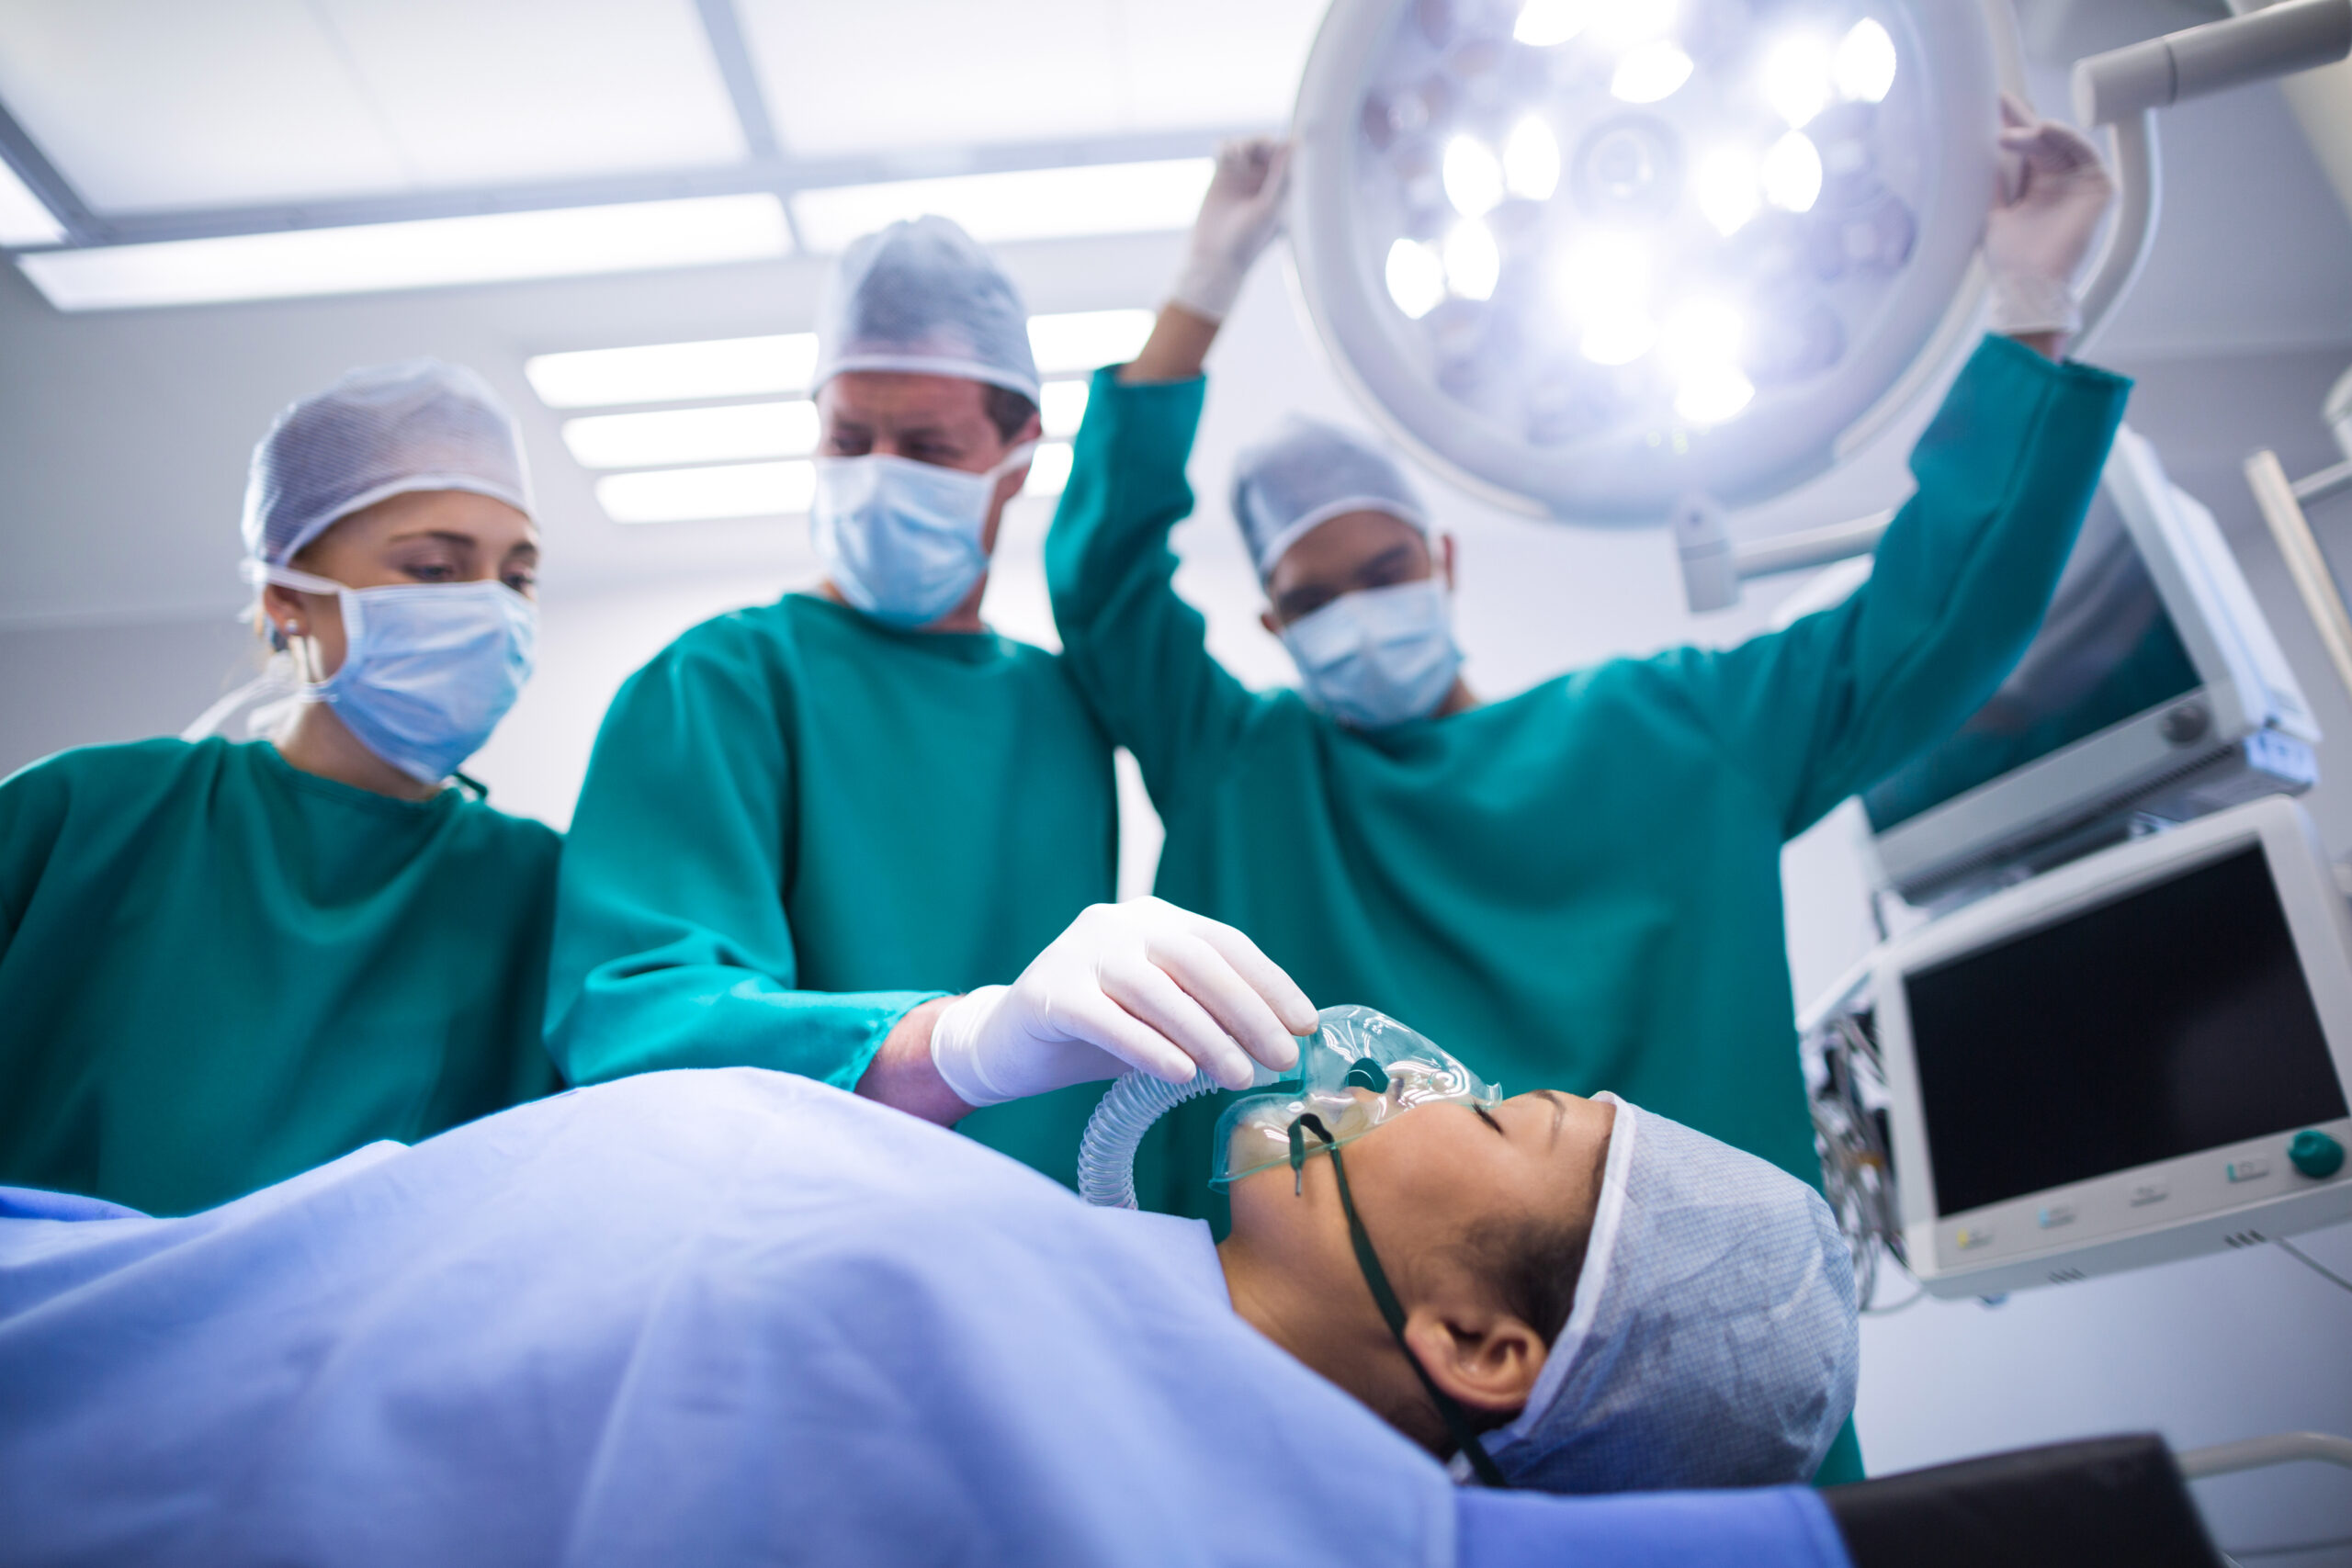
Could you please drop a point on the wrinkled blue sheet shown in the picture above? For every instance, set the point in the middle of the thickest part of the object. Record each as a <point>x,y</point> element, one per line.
<point>707,1317</point>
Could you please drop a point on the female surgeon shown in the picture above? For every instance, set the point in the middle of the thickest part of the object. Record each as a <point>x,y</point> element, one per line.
<point>222,963</point>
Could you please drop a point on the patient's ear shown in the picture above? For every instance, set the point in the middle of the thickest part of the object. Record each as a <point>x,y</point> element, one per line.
<point>1486,1358</point>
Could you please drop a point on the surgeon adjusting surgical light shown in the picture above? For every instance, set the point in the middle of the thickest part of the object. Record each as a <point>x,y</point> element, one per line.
<point>1594,257</point>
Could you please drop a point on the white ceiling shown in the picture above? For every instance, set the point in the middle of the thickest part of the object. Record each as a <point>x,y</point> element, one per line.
<point>159,104</point>
<point>881,75</point>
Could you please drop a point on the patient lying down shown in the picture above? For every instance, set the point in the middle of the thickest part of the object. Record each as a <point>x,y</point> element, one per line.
<point>736,1315</point>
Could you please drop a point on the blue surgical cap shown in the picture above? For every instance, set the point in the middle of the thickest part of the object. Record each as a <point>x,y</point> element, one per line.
<point>1712,1340</point>
<point>922,296</point>
<point>382,430</point>
<point>1309,472</point>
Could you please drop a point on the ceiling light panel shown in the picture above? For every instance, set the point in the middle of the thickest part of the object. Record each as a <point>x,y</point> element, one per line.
<point>734,432</point>
<point>696,495</point>
<point>23,220</point>
<point>568,242</point>
<point>474,93</point>
<point>674,372</point>
<point>227,103</point>
<point>1030,204</point>
<point>1061,408</point>
<point>1086,340</point>
<point>230,103</point>
<point>884,74</point>
<point>1214,63</point>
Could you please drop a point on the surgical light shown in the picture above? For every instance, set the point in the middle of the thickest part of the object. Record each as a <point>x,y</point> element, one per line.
<point>1864,67</point>
<point>1649,72</point>
<point>1473,180</point>
<point>1545,23</point>
<point>1796,79</point>
<point>1727,184</point>
<point>1506,212</point>
<point>1793,172</point>
<point>1415,277</point>
<point>1532,161</point>
<point>1472,260</point>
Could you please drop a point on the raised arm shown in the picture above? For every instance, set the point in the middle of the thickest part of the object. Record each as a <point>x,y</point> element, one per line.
<point>672,948</point>
<point>2005,475</point>
<point>1137,650</point>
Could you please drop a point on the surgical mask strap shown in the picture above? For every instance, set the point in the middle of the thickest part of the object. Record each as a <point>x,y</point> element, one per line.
<point>1392,1311</point>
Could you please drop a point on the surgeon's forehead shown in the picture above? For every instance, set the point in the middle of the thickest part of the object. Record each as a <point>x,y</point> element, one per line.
<point>1337,543</point>
<point>901,397</point>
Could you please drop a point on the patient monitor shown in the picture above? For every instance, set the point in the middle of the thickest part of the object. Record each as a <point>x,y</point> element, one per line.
<point>2139,1057</point>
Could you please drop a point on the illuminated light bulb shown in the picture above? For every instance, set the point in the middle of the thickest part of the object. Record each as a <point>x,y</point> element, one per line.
<point>1796,79</point>
<point>1621,22</point>
<point>1713,395</point>
<point>1473,261</point>
<point>1649,72</point>
<point>1617,337</point>
<point>1532,161</point>
<point>1543,23</point>
<point>1865,63</point>
<point>1415,277</point>
<point>1793,172</point>
<point>1474,180</point>
<point>1701,336</point>
<point>1724,183</point>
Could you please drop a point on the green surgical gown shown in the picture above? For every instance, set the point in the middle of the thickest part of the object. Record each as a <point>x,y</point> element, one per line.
<point>217,970</point>
<point>1579,887</point>
<point>798,823</point>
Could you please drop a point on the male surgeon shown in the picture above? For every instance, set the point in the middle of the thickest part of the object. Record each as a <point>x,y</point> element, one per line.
<point>1582,882</point>
<point>807,826</point>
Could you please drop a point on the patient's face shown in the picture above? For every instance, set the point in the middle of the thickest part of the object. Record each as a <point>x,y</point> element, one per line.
<point>1425,1179</point>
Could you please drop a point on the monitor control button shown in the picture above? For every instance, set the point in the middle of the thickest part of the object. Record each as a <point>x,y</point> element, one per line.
<point>2056,1214</point>
<point>2316,1154</point>
<point>2149,1193</point>
<point>2248,1169</point>
<point>1970,1240</point>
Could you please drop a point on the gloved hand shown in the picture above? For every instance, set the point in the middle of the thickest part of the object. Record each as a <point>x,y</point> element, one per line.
<point>1239,217</point>
<point>1142,984</point>
<point>2054,190</point>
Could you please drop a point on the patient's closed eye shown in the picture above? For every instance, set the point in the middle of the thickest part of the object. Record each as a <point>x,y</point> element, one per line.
<point>1489,1121</point>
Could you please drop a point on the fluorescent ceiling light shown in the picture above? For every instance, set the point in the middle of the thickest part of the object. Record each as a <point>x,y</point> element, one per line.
<point>733,433</point>
<point>428,253</point>
<point>1030,204</point>
<point>690,495</point>
<point>674,372</point>
<point>23,220</point>
<point>1086,340</point>
<point>1062,408</point>
<point>1048,469</point>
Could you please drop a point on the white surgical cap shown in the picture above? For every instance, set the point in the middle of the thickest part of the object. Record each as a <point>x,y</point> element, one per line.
<point>922,296</point>
<point>382,431</point>
<point>1712,1339</point>
<point>1309,472</point>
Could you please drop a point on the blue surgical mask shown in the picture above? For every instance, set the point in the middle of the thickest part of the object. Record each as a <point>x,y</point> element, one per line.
<point>902,539</point>
<point>428,670</point>
<point>1379,656</point>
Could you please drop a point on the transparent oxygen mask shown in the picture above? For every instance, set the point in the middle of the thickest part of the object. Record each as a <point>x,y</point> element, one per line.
<point>1362,1069</point>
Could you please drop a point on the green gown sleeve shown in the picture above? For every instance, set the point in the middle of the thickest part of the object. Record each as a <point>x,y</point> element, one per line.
<point>672,947</point>
<point>1138,652</point>
<point>32,808</point>
<point>2006,472</point>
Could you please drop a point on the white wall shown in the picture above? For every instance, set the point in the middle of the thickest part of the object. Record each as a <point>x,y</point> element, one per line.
<point>121,448</point>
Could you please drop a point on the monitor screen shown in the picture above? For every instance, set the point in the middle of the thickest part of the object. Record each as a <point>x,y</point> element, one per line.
<point>2174,1019</point>
<point>2105,651</point>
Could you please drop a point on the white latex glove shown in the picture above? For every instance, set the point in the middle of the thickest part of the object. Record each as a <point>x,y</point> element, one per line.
<point>2054,190</point>
<point>1238,219</point>
<point>1142,984</point>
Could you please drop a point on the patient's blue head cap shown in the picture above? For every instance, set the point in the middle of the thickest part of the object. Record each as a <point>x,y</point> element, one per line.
<point>1713,1341</point>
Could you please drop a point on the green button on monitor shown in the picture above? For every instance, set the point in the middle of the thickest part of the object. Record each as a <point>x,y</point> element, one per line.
<point>2316,1154</point>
